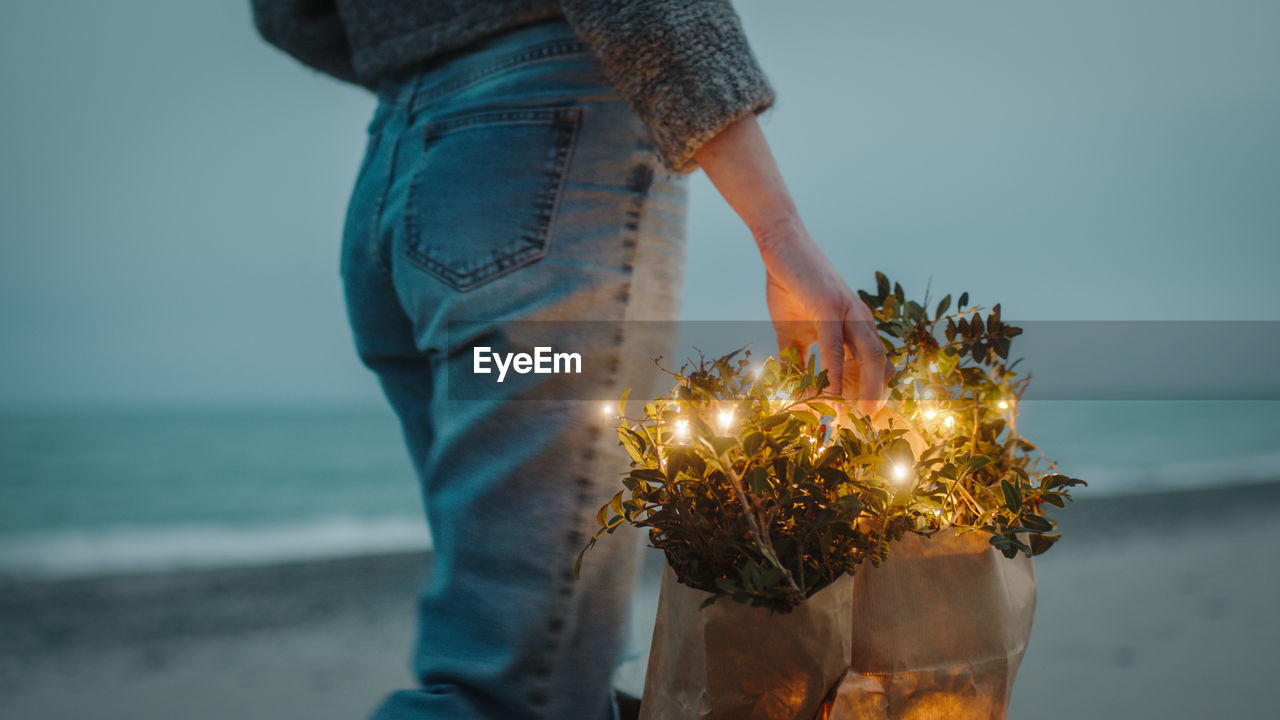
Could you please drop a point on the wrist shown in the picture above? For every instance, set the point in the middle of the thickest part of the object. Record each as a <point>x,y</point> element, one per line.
<point>778,231</point>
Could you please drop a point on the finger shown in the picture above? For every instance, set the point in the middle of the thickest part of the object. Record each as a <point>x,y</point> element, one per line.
<point>831,353</point>
<point>792,335</point>
<point>872,364</point>
<point>852,368</point>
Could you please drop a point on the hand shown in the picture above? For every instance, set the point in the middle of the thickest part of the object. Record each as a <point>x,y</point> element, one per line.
<point>809,302</point>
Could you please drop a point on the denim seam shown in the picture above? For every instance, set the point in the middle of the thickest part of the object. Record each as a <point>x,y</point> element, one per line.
<point>567,121</point>
<point>379,262</point>
<point>582,512</point>
<point>421,96</point>
<point>525,116</point>
<point>367,241</point>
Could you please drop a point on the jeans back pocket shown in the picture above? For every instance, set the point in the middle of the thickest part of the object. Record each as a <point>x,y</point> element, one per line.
<point>483,196</point>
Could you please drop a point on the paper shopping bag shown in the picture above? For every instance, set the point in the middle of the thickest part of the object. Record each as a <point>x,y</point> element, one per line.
<point>730,661</point>
<point>938,631</point>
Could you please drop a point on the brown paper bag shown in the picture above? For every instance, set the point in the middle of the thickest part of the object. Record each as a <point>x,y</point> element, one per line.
<point>938,631</point>
<point>731,661</point>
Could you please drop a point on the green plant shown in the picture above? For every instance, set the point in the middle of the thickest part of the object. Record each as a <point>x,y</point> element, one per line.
<point>959,393</point>
<point>744,479</point>
<point>745,488</point>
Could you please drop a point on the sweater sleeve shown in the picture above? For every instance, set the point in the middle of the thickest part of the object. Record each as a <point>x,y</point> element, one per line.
<point>309,30</point>
<point>683,65</point>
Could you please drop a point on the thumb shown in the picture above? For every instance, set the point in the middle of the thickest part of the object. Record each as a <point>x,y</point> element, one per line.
<point>794,335</point>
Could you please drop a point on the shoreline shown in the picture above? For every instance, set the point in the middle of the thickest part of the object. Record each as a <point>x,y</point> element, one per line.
<point>1101,513</point>
<point>1148,599</point>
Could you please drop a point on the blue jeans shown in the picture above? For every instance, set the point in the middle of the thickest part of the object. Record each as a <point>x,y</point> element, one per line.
<point>506,185</point>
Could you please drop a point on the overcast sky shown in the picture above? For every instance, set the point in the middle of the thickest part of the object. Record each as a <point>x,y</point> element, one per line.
<point>173,188</point>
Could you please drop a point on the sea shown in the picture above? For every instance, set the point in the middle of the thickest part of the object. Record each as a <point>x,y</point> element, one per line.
<point>96,492</point>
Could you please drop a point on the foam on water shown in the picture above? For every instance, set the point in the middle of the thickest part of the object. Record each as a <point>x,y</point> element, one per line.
<point>105,551</point>
<point>88,495</point>
<point>1185,475</point>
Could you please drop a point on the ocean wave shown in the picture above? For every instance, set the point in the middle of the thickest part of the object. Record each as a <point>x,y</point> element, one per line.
<point>1115,480</point>
<point>74,553</point>
<point>90,552</point>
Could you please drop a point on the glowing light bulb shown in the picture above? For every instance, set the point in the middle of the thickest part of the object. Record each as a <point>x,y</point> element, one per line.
<point>930,414</point>
<point>949,422</point>
<point>682,429</point>
<point>900,473</point>
<point>1003,404</point>
<point>907,379</point>
<point>933,367</point>
<point>607,410</point>
<point>725,419</point>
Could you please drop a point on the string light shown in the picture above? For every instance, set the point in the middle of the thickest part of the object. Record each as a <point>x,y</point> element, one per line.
<point>607,410</point>
<point>682,429</point>
<point>726,419</point>
<point>933,367</point>
<point>1003,404</point>
<point>930,414</point>
<point>901,473</point>
<point>949,422</point>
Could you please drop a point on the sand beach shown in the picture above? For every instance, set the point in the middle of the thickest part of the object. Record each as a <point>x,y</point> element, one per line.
<point>1154,606</point>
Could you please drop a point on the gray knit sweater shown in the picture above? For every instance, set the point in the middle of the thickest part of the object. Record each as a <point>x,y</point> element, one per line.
<point>683,65</point>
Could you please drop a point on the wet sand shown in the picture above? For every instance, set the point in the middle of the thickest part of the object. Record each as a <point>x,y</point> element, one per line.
<point>1157,606</point>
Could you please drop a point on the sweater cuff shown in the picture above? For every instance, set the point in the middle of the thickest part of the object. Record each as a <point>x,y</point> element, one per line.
<point>684,67</point>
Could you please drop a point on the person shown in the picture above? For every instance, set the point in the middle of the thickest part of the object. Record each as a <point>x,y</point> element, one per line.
<point>527,162</point>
